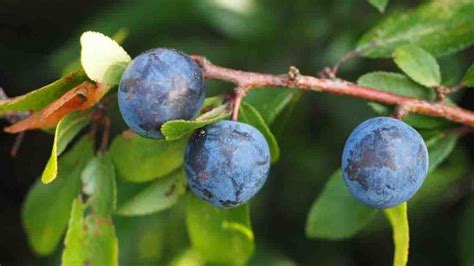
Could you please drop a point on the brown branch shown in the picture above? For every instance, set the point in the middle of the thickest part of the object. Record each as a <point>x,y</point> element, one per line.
<point>251,80</point>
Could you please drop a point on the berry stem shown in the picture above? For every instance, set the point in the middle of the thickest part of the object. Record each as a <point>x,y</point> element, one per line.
<point>251,80</point>
<point>239,94</point>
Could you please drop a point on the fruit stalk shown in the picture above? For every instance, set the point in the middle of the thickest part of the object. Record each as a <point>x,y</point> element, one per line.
<point>249,80</point>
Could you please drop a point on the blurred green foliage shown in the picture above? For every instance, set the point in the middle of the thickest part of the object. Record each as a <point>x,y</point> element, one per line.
<point>267,36</point>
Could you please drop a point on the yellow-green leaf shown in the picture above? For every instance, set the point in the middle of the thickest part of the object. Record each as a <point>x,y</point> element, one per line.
<point>66,130</point>
<point>103,59</point>
<point>176,129</point>
<point>398,218</point>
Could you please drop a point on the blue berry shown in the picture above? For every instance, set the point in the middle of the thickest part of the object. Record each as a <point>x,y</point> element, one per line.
<point>227,163</point>
<point>157,86</point>
<point>384,162</point>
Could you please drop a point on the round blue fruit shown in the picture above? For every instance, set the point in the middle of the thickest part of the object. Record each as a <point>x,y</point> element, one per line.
<point>227,163</point>
<point>157,86</point>
<point>384,162</point>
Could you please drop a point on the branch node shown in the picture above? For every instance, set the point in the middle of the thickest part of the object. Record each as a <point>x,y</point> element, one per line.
<point>441,93</point>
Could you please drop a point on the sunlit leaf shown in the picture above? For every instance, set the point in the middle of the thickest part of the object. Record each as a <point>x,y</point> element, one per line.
<point>398,218</point>
<point>102,58</point>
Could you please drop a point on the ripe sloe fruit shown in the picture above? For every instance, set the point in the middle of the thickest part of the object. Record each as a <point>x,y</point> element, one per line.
<point>384,162</point>
<point>227,163</point>
<point>157,86</point>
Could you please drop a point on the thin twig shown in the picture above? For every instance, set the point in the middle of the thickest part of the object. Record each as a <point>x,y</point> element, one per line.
<point>350,55</point>
<point>251,80</point>
<point>457,87</point>
<point>17,144</point>
<point>105,134</point>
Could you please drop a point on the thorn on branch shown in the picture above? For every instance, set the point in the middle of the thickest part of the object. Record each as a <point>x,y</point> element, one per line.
<point>293,74</point>
<point>401,111</point>
<point>327,73</point>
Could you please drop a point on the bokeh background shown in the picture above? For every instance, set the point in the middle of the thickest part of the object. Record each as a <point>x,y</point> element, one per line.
<point>39,41</point>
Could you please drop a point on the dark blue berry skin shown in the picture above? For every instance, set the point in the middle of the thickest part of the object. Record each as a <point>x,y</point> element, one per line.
<point>227,163</point>
<point>384,162</point>
<point>157,86</point>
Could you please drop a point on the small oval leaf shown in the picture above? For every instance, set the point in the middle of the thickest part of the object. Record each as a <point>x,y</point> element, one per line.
<point>418,64</point>
<point>102,58</point>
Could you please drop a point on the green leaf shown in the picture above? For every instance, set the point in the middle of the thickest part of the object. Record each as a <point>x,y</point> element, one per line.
<point>440,27</point>
<point>336,214</point>
<point>138,159</point>
<point>418,64</point>
<point>102,58</point>
<point>270,102</point>
<point>401,85</point>
<point>220,236</point>
<point>158,196</point>
<point>398,218</point>
<point>440,147</point>
<point>45,212</point>
<point>177,129</point>
<point>395,83</point>
<point>67,128</point>
<point>379,4</point>
<point>37,99</point>
<point>98,179</point>
<point>248,114</point>
<point>469,77</point>
<point>90,239</point>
